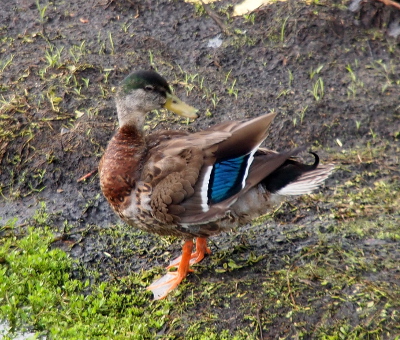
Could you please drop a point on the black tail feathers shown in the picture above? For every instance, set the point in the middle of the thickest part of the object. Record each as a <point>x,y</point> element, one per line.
<point>288,173</point>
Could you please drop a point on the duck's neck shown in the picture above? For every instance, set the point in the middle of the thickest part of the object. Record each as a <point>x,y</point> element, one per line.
<point>130,116</point>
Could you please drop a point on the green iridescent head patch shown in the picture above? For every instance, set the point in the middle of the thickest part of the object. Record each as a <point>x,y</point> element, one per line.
<point>141,79</point>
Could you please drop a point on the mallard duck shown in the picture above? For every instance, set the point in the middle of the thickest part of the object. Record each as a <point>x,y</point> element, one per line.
<point>193,185</point>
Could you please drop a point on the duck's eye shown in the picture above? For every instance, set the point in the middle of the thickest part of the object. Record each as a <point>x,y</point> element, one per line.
<point>149,88</point>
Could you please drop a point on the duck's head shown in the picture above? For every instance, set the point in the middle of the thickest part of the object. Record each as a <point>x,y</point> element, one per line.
<point>144,91</point>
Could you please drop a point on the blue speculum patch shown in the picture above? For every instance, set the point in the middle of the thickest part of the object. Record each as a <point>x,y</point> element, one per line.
<point>226,178</point>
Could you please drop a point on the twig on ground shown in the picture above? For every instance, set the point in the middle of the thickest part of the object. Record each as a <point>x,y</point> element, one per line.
<point>390,3</point>
<point>87,176</point>
<point>290,289</point>
<point>259,323</point>
<point>215,17</point>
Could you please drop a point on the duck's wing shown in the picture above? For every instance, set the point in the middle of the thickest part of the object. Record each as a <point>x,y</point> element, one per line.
<point>195,178</point>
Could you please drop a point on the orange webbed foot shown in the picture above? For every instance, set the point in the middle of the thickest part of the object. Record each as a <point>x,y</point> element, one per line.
<point>162,286</point>
<point>197,256</point>
<point>165,284</point>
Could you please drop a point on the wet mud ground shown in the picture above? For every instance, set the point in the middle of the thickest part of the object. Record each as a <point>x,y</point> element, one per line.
<point>332,75</point>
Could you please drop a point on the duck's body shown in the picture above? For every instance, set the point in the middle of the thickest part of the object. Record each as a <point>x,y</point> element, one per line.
<point>194,185</point>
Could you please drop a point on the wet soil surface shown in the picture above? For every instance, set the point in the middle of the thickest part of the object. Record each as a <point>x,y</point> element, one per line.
<point>332,75</point>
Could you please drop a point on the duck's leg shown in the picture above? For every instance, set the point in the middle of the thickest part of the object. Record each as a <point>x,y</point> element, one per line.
<point>171,280</point>
<point>197,256</point>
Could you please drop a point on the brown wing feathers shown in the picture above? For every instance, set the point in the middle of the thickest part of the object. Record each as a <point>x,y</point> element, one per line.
<point>181,181</point>
<point>169,190</point>
<point>245,137</point>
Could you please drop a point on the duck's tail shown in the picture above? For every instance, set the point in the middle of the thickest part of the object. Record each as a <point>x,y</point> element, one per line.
<point>295,178</point>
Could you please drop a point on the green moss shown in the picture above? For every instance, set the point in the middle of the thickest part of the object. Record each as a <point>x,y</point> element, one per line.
<point>37,290</point>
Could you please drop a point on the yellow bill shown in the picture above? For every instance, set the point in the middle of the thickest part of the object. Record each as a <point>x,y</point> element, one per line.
<point>179,107</point>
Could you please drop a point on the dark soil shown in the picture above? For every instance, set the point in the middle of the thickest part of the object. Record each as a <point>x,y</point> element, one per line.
<point>57,115</point>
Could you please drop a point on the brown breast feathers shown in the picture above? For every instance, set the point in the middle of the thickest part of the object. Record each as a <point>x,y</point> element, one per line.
<point>119,167</point>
